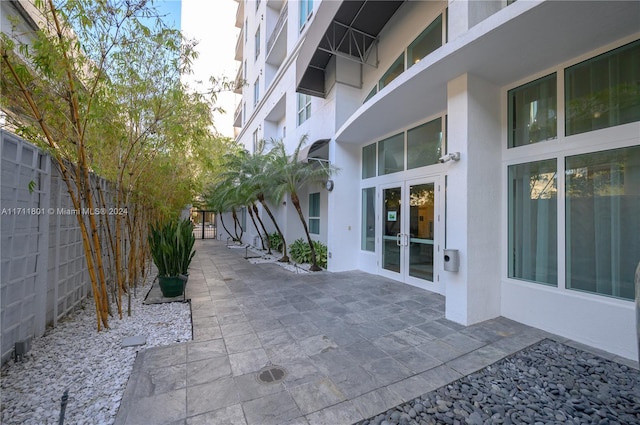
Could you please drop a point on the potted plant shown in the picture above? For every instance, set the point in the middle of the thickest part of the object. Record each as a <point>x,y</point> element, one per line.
<point>167,246</point>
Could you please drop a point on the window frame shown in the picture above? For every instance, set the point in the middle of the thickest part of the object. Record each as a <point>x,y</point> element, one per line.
<point>305,11</point>
<point>256,39</point>
<point>303,108</point>
<point>314,216</point>
<point>620,136</point>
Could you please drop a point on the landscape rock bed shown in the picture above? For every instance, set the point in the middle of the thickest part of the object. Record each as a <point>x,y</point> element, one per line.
<point>547,383</point>
<point>93,366</point>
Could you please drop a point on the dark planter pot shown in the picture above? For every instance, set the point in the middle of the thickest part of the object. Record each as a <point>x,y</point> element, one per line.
<point>171,286</point>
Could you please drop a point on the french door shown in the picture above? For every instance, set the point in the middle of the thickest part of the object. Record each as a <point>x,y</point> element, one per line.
<point>410,227</point>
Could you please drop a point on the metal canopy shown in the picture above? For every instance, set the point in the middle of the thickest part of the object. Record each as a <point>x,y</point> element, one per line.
<point>353,34</point>
<point>318,151</point>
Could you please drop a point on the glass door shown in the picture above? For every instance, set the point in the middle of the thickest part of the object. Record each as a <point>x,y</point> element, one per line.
<point>421,231</point>
<point>410,226</point>
<point>392,254</point>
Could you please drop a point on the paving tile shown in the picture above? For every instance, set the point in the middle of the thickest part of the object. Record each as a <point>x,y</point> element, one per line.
<point>200,350</point>
<point>354,382</point>
<point>234,329</point>
<point>376,402</point>
<point>303,330</point>
<point>369,331</point>
<point>436,329</point>
<point>240,343</point>
<point>317,395</point>
<point>391,343</point>
<point>211,396</point>
<point>274,409</point>
<point>440,350</point>
<point>160,409</point>
<point>364,351</point>
<point>205,333</point>
<point>416,360</point>
<point>476,360</point>
<point>316,344</point>
<point>250,389</point>
<point>283,352</point>
<point>343,413</point>
<point>158,357</point>
<point>232,415</point>
<point>387,370</point>
<point>300,371</point>
<point>412,336</point>
<point>262,323</point>
<point>248,361</point>
<point>154,381</point>
<point>391,324</point>
<point>439,376</point>
<point>279,336</point>
<point>462,342</point>
<point>410,388</point>
<point>208,370</point>
<point>334,361</point>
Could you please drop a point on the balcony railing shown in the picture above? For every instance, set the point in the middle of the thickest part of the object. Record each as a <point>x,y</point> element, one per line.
<point>237,116</point>
<point>276,30</point>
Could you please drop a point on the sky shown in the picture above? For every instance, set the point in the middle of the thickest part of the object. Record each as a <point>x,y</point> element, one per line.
<point>170,8</point>
<point>212,23</point>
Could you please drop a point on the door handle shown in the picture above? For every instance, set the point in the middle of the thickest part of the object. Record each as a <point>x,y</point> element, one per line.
<point>398,239</point>
<point>406,239</point>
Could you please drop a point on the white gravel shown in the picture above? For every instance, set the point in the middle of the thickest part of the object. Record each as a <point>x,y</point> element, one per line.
<point>259,256</point>
<point>91,365</point>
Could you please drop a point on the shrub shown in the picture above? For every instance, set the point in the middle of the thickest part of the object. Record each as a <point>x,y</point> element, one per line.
<point>275,241</point>
<point>301,252</point>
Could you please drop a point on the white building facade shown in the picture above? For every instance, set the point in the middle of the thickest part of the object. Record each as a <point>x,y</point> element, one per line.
<point>504,132</point>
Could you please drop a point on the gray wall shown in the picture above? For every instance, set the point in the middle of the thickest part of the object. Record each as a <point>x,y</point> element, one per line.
<point>43,272</point>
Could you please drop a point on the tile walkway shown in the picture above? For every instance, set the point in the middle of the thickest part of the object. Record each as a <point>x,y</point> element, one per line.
<point>353,345</point>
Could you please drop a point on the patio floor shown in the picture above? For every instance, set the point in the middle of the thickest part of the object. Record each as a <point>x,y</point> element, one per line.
<point>351,344</point>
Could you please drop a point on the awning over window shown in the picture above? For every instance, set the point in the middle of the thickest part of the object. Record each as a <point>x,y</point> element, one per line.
<point>350,29</point>
<point>318,150</point>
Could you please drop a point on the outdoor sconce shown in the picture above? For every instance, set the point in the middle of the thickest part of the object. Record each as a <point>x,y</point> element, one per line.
<point>453,156</point>
<point>329,185</point>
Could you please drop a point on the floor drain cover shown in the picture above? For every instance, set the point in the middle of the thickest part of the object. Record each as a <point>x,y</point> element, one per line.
<point>271,375</point>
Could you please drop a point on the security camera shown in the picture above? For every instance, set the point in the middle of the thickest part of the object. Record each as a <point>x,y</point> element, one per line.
<point>453,156</point>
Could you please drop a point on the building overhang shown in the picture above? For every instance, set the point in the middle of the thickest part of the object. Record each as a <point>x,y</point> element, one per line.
<point>347,28</point>
<point>316,151</point>
<point>520,40</point>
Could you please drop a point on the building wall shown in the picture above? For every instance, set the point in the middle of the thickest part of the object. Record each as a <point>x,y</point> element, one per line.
<point>472,95</point>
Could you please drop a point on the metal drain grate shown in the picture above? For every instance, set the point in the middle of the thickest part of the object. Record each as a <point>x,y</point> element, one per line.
<point>271,374</point>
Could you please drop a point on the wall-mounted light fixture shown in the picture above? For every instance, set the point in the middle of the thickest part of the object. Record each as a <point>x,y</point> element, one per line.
<point>329,185</point>
<point>453,156</point>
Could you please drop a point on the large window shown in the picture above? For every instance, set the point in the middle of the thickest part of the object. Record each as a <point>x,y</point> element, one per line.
<point>368,231</point>
<point>314,213</point>
<point>604,91</point>
<point>533,205</point>
<point>369,161</point>
<point>428,41</point>
<point>304,107</point>
<point>393,72</point>
<point>603,221</point>
<point>306,9</point>
<point>391,154</point>
<point>424,144</point>
<point>532,112</point>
